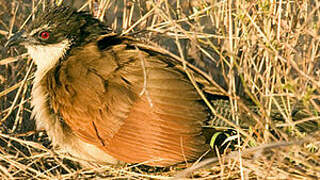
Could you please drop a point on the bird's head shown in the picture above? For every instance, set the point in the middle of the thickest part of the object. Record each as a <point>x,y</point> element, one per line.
<point>53,32</point>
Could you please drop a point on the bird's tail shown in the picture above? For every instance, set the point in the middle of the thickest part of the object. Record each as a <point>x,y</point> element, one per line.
<point>294,114</point>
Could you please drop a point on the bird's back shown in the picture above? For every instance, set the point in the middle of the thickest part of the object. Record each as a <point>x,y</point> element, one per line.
<point>135,105</point>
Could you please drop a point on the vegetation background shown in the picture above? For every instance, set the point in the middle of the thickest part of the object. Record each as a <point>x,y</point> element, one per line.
<point>265,52</point>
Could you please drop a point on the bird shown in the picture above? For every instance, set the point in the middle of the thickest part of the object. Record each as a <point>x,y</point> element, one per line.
<point>109,98</point>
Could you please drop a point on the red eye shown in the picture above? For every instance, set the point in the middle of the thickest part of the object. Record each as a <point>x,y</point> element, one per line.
<point>44,35</point>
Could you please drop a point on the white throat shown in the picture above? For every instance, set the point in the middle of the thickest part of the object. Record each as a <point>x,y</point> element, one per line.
<point>45,57</point>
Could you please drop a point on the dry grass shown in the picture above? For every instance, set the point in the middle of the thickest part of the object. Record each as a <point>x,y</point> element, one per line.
<point>271,48</point>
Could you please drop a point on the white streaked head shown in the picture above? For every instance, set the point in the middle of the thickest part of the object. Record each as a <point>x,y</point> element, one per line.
<point>53,32</point>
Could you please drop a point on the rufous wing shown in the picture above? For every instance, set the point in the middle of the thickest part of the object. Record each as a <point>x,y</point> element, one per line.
<point>131,104</point>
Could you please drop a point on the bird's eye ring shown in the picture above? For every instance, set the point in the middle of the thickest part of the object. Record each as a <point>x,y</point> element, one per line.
<point>44,35</point>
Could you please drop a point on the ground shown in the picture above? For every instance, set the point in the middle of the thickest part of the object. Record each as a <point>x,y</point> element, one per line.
<point>265,52</point>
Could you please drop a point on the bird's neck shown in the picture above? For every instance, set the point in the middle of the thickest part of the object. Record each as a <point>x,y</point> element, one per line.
<point>47,56</point>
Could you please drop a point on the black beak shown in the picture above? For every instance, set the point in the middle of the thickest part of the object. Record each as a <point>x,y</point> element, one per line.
<point>16,39</point>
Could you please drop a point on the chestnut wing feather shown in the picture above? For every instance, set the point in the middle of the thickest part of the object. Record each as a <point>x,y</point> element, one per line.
<point>131,104</point>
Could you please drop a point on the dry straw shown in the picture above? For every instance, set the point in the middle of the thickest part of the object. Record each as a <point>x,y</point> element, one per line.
<point>271,48</point>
